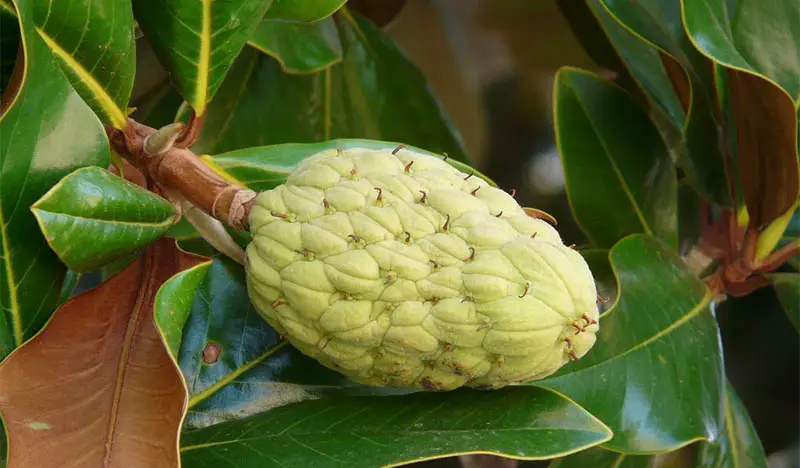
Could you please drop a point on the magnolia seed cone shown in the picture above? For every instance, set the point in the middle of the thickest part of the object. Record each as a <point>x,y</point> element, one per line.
<point>396,269</point>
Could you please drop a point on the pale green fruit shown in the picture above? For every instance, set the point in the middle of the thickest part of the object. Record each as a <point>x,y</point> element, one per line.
<point>399,270</point>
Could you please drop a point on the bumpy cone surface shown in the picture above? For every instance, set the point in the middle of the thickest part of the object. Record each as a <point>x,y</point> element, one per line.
<point>400,270</point>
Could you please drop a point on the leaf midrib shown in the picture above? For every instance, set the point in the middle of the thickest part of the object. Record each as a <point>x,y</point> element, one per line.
<point>16,319</point>
<point>146,284</point>
<point>396,434</point>
<point>204,60</point>
<point>623,184</point>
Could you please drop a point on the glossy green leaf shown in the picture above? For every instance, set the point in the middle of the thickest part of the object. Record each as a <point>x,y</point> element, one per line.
<point>374,93</point>
<point>173,303</point>
<point>659,24</point>
<point>93,40</point>
<point>265,167</point>
<point>644,63</point>
<point>759,44</point>
<point>92,217</point>
<point>787,287</point>
<point>255,370</point>
<point>303,10</point>
<point>597,457</point>
<point>759,36</point>
<point>655,375</point>
<point>197,41</point>
<point>523,423</point>
<point>624,158</point>
<point>299,47</point>
<point>35,153</point>
<point>739,445</point>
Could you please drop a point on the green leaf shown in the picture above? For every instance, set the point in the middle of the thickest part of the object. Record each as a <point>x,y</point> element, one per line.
<point>739,445</point>
<point>759,44</point>
<point>33,157</point>
<point>255,370</point>
<point>374,93</point>
<point>299,47</point>
<point>523,423</point>
<point>303,10</point>
<point>197,41</point>
<point>623,157</point>
<point>93,40</point>
<point>173,304</point>
<point>787,287</point>
<point>265,167</point>
<point>655,375</point>
<point>759,36</point>
<point>644,63</point>
<point>597,457</point>
<point>92,217</point>
<point>659,24</point>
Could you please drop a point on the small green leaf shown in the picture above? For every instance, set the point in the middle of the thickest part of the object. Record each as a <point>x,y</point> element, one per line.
<point>655,375</point>
<point>197,41</point>
<point>373,93</point>
<point>624,158</point>
<point>299,47</point>
<point>92,217</point>
<point>739,445</point>
<point>523,423</point>
<point>303,10</point>
<point>787,287</point>
<point>265,167</point>
<point>173,304</point>
<point>35,153</point>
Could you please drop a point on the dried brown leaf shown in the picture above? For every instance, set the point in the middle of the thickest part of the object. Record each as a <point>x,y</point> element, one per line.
<point>97,387</point>
<point>766,122</point>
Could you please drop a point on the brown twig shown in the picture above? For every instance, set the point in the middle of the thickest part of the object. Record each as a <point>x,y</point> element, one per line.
<point>178,170</point>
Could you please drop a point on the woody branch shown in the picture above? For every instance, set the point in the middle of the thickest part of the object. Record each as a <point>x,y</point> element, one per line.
<point>179,174</point>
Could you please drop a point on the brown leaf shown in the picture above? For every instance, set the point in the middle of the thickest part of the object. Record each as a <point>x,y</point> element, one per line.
<point>97,388</point>
<point>680,82</point>
<point>766,122</point>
